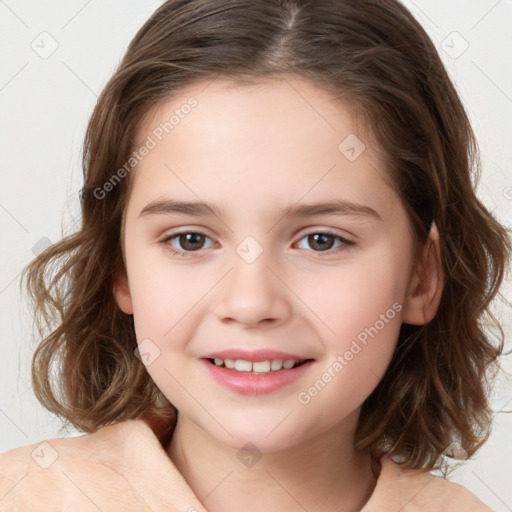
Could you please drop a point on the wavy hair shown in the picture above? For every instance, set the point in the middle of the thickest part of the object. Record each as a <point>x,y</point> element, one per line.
<point>370,52</point>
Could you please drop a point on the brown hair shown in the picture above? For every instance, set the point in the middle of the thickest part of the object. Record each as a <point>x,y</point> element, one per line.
<point>372,52</point>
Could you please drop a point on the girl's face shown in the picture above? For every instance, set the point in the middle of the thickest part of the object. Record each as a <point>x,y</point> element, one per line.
<point>297,250</point>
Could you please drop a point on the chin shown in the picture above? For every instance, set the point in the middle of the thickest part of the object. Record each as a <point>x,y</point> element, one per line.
<point>267,433</point>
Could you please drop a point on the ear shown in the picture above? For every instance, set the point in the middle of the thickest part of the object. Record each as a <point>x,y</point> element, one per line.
<point>426,283</point>
<point>122,293</point>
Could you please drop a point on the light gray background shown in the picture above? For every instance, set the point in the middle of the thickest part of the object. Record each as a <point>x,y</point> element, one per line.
<point>45,102</point>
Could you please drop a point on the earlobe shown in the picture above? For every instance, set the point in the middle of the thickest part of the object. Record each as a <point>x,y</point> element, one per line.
<point>122,294</point>
<point>426,284</point>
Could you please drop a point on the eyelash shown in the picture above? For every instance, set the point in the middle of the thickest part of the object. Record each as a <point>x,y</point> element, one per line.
<point>185,254</point>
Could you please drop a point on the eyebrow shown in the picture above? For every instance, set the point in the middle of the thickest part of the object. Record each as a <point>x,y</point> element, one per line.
<point>199,208</point>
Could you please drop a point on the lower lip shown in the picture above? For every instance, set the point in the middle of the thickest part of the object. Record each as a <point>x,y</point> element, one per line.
<point>247,383</point>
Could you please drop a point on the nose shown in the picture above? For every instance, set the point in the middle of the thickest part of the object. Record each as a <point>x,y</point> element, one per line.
<point>253,294</point>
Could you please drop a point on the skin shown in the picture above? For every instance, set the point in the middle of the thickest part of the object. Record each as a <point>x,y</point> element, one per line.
<point>253,150</point>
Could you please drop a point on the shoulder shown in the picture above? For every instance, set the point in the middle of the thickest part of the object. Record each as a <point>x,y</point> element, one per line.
<point>77,473</point>
<point>419,491</point>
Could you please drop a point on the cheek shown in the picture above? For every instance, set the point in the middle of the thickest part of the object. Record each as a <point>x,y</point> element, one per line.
<point>354,296</point>
<point>357,356</point>
<point>360,311</point>
<point>163,295</point>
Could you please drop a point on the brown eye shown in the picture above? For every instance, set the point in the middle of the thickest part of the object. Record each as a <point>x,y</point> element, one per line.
<point>324,242</point>
<point>191,241</point>
<point>186,242</point>
<point>321,241</point>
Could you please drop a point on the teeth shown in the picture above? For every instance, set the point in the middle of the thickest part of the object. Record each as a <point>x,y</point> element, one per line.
<point>261,366</point>
<point>276,365</point>
<point>240,365</point>
<point>243,366</point>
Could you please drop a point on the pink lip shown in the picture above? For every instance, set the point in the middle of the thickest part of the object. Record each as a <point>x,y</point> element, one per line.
<point>247,383</point>
<point>253,355</point>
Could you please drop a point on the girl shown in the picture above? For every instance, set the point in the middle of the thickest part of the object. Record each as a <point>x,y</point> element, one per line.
<point>276,296</point>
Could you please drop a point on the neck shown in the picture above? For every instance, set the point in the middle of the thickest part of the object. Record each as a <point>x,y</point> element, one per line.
<point>324,474</point>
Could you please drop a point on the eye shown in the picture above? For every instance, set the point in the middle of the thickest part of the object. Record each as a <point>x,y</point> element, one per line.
<point>323,241</point>
<point>189,241</point>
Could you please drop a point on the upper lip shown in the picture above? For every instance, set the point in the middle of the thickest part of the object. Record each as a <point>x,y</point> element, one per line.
<point>254,355</point>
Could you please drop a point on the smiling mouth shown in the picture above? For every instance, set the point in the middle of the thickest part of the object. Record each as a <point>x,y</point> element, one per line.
<point>257,367</point>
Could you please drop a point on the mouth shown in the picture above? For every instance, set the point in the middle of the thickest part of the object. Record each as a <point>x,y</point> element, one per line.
<point>257,367</point>
<point>256,371</point>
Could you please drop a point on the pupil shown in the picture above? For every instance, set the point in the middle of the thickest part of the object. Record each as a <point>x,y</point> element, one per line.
<point>320,240</point>
<point>191,239</point>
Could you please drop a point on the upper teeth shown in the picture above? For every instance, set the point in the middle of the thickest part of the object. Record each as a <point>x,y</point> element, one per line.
<point>256,366</point>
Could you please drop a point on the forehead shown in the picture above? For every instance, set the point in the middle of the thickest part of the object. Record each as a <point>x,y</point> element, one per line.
<point>272,141</point>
